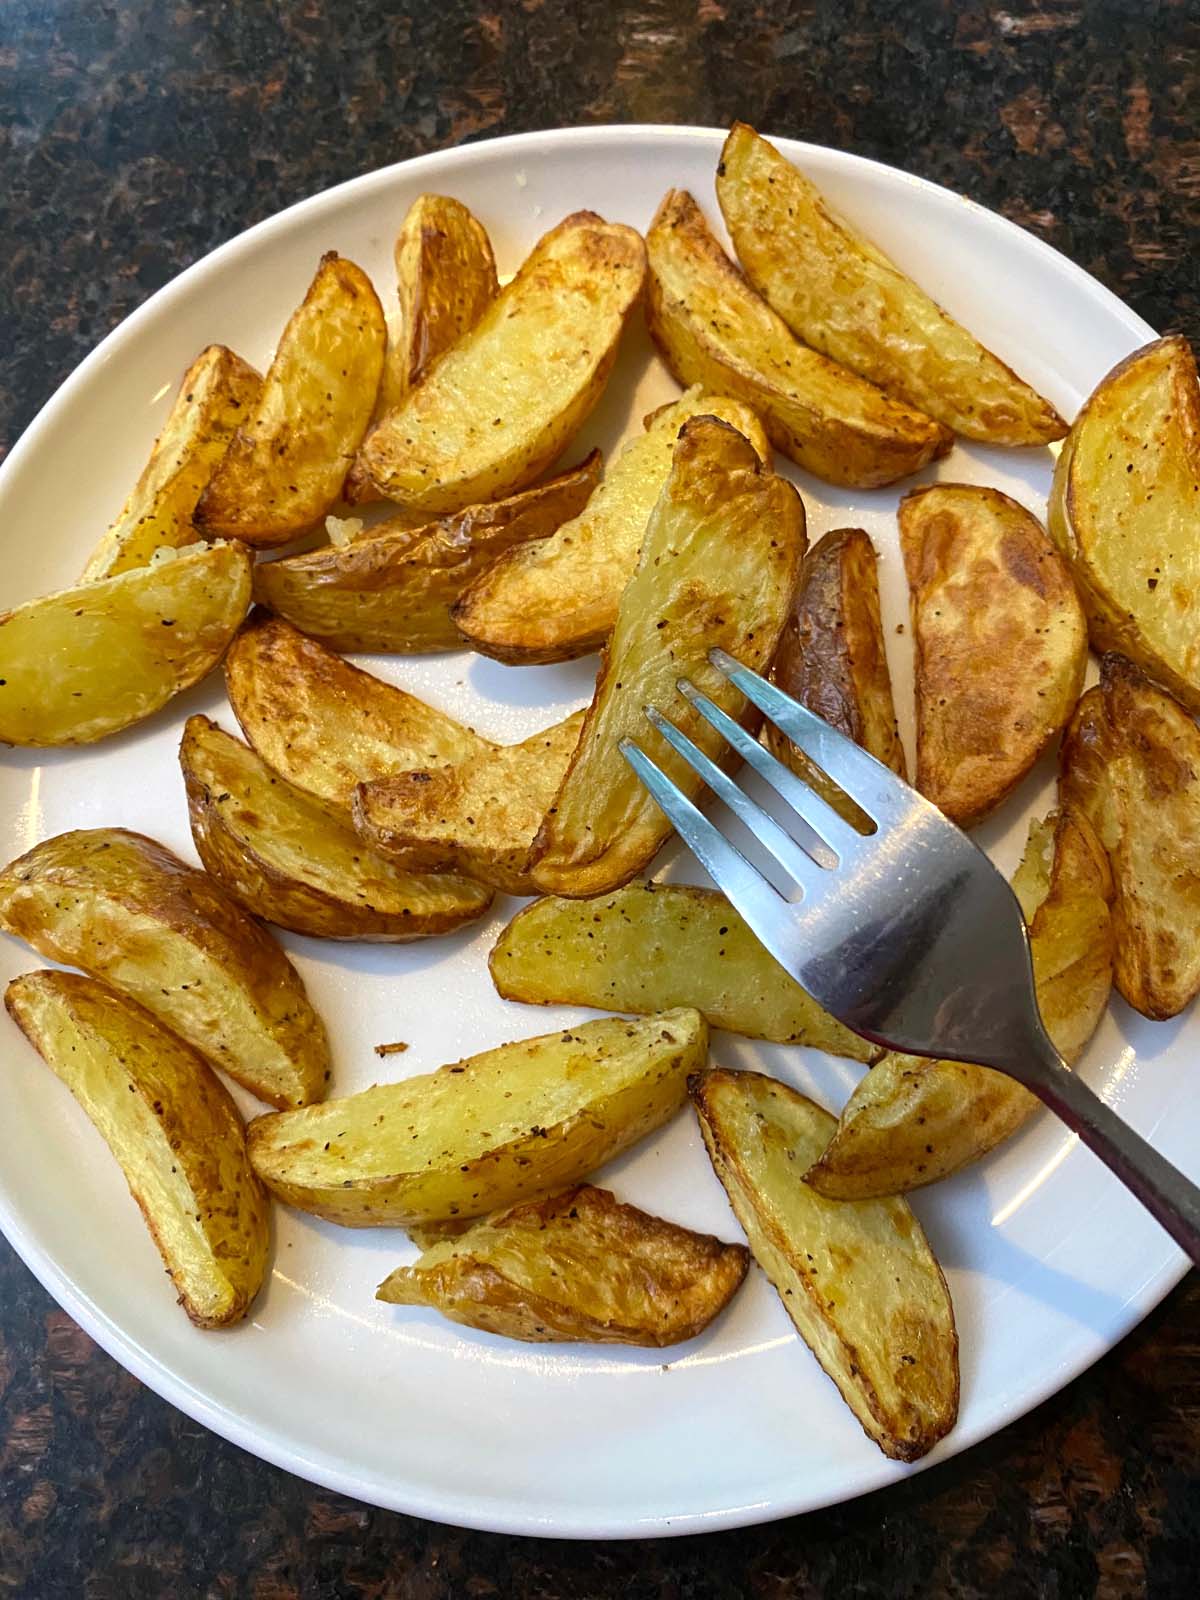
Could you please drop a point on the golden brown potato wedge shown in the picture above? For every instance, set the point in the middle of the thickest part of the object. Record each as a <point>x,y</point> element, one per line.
<point>496,409</point>
<point>1123,511</point>
<point>1000,639</point>
<point>717,568</point>
<point>576,1267</point>
<point>290,861</point>
<point>832,659</point>
<point>839,293</point>
<point>288,459</point>
<point>326,726</point>
<point>478,817</point>
<point>651,946</point>
<point>503,1126</point>
<point>558,598</point>
<point>217,393</point>
<point>912,1121</point>
<point>1131,763</point>
<point>172,1127</point>
<point>712,328</point>
<point>858,1280</point>
<point>392,588</point>
<point>128,912</point>
<point>81,664</point>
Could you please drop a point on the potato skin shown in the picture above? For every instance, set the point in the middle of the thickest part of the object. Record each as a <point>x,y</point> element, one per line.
<point>285,466</point>
<point>217,391</point>
<point>1122,511</point>
<point>171,1125</point>
<point>912,1121</point>
<point>576,1267</point>
<point>392,588</point>
<point>287,859</point>
<point>86,662</point>
<point>839,293</point>
<point>506,1125</point>
<point>712,328</point>
<point>717,567</point>
<point>127,911</point>
<point>447,446</point>
<point>1131,764</point>
<point>859,1282</point>
<point>1000,639</point>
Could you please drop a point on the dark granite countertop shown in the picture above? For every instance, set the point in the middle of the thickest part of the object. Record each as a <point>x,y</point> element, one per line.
<point>138,134</point>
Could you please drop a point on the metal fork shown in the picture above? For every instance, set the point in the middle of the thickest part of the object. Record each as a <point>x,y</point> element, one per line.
<point>909,935</point>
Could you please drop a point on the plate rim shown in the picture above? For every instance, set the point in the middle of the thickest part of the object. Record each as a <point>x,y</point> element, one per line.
<point>493,1514</point>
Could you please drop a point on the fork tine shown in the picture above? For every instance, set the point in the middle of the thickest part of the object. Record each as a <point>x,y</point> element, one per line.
<point>871,785</point>
<point>748,891</point>
<point>778,843</point>
<point>832,830</point>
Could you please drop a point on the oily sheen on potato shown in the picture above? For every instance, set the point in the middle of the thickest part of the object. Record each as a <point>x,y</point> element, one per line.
<point>504,1126</point>
<point>717,568</point>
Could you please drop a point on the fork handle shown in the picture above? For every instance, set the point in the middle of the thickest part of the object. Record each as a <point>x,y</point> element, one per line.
<point>1168,1196</point>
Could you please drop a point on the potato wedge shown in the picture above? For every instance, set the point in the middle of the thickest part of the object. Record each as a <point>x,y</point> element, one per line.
<point>392,588</point>
<point>858,1280</point>
<point>325,726</point>
<point>839,293</point>
<point>503,1126</point>
<point>128,912</point>
<point>1000,639</point>
<point>712,328</point>
<point>173,1128</point>
<point>477,817</point>
<point>287,859</point>
<point>287,462</point>
<point>86,662</point>
<point>1123,510</point>
<point>576,1267</point>
<point>717,567</point>
<point>912,1121</point>
<point>217,392</point>
<point>650,946</point>
<point>558,598</point>
<point>832,659</point>
<point>1131,763</point>
<point>496,409</point>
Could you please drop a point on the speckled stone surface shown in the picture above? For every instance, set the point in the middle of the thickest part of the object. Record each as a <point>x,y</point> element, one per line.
<point>136,136</point>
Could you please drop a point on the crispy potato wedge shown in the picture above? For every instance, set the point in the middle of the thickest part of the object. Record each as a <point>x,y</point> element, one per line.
<point>839,293</point>
<point>217,392</point>
<point>496,409</point>
<point>651,946</point>
<point>477,817</point>
<point>558,598</point>
<point>578,1267</point>
<point>912,1121</point>
<point>503,1126</point>
<point>392,588</point>
<point>717,567</point>
<point>173,1128</point>
<point>288,459</point>
<point>832,659</point>
<point>128,912</point>
<point>1123,510</point>
<point>712,328</point>
<point>81,664</point>
<point>287,859</point>
<point>1000,640</point>
<point>1131,763</point>
<point>326,726</point>
<point>858,1280</point>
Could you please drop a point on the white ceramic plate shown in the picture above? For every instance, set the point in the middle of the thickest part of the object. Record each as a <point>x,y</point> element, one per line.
<point>1049,1261</point>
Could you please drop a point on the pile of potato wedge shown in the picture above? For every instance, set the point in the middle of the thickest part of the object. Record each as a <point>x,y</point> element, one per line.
<point>397,483</point>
